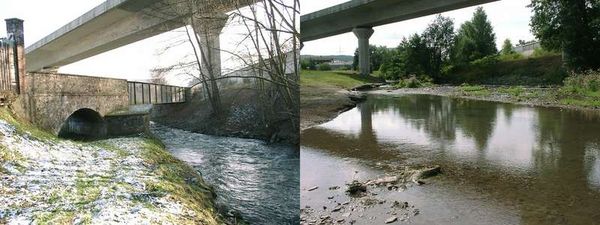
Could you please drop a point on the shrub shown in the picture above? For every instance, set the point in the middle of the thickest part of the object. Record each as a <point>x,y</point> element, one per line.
<point>541,52</point>
<point>582,84</point>
<point>511,56</point>
<point>324,67</point>
<point>414,82</point>
<point>487,61</point>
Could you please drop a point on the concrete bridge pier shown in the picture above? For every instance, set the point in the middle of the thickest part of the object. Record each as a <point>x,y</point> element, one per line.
<point>208,29</point>
<point>363,34</point>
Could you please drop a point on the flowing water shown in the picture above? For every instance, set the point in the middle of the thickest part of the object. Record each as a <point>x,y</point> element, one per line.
<point>501,163</point>
<point>251,178</point>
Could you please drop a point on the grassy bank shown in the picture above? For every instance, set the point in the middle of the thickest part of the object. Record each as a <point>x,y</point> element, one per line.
<point>46,180</point>
<point>338,79</point>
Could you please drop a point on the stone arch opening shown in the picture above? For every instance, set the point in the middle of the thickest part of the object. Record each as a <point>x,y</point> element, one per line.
<point>83,124</point>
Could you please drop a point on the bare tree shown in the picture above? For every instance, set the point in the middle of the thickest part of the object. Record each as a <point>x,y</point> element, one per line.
<point>267,49</point>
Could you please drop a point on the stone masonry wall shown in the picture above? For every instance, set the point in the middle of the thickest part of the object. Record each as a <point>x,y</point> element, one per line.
<point>48,99</point>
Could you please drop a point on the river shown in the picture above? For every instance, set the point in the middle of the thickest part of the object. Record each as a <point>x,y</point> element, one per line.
<point>501,163</point>
<point>251,178</point>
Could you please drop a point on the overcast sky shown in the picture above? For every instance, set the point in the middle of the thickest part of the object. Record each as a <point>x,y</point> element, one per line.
<point>132,62</point>
<point>510,19</point>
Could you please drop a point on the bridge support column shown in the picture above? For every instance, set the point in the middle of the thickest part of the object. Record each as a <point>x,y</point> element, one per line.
<point>363,34</point>
<point>208,29</point>
<point>14,28</point>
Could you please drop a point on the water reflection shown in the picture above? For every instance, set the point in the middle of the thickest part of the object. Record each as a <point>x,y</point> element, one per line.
<point>542,157</point>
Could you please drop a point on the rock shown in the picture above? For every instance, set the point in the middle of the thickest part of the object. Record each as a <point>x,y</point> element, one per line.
<point>391,219</point>
<point>313,188</point>
<point>356,188</point>
<point>384,181</point>
<point>330,197</point>
<point>402,205</point>
<point>416,212</point>
<point>357,97</point>
<point>337,208</point>
<point>334,188</point>
<point>425,173</point>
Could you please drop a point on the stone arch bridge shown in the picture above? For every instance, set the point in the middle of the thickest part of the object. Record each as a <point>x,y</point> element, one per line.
<point>72,105</point>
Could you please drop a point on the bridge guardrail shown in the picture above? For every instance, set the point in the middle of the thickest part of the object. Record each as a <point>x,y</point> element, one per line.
<point>149,93</point>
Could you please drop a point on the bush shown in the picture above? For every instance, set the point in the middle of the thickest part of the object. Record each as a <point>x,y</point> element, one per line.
<point>582,84</point>
<point>489,60</point>
<point>324,67</point>
<point>511,56</point>
<point>414,82</point>
<point>541,52</point>
<point>528,71</point>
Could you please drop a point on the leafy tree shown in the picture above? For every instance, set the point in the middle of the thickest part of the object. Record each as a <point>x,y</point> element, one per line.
<point>507,48</point>
<point>376,57</point>
<point>417,55</point>
<point>411,57</point>
<point>572,27</point>
<point>439,37</point>
<point>475,39</point>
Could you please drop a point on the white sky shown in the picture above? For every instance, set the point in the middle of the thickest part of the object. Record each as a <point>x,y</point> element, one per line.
<point>510,19</point>
<point>132,62</point>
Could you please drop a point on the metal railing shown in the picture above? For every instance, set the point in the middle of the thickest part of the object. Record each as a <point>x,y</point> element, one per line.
<point>148,93</point>
<point>9,73</point>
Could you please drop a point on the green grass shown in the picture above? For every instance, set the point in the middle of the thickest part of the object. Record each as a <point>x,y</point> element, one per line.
<point>57,217</point>
<point>474,90</point>
<point>180,181</point>
<point>516,91</point>
<point>339,79</point>
<point>26,128</point>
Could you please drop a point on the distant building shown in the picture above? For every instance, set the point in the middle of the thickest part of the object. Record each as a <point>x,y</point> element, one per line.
<point>338,64</point>
<point>527,48</point>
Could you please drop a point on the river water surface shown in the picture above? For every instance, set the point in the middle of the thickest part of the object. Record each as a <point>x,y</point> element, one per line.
<point>251,178</point>
<point>501,163</point>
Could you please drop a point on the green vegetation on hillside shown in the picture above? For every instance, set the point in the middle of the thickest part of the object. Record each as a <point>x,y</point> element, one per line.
<point>494,71</point>
<point>338,79</point>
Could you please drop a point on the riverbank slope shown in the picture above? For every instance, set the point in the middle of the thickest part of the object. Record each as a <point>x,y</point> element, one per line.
<point>325,94</point>
<point>46,180</point>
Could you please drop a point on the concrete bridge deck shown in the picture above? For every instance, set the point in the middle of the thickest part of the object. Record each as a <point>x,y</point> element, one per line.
<point>113,24</point>
<point>344,17</point>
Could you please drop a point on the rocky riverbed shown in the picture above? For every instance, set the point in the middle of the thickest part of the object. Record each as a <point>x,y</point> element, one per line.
<point>366,200</point>
<point>117,181</point>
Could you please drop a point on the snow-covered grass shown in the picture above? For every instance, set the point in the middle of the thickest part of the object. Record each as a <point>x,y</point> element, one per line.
<point>132,180</point>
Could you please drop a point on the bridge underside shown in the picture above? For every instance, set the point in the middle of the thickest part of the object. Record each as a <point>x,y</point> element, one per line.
<point>116,23</point>
<point>344,17</point>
